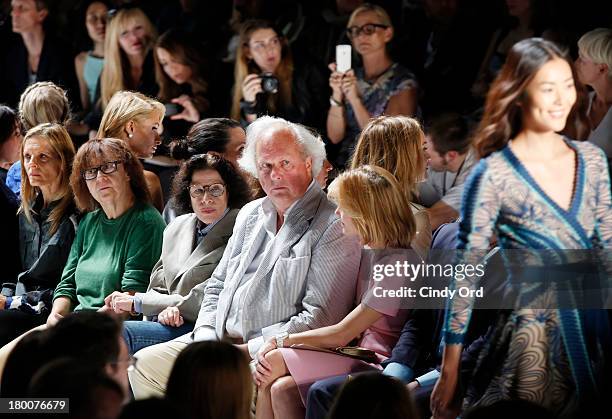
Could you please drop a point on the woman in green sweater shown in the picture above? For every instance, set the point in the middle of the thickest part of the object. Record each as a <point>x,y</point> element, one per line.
<point>119,239</point>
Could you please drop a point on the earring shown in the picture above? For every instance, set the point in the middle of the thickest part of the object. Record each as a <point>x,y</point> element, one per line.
<point>130,135</point>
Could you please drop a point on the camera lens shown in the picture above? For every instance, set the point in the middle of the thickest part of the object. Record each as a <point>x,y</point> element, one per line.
<point>269,83</point>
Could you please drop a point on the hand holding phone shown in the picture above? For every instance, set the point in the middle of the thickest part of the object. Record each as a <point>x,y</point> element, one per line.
<point>343,58</point>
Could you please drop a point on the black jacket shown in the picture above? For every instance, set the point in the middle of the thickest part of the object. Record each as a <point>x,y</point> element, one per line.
<point>44,256</point>
<point>309,98</point>
<point>55,65</point>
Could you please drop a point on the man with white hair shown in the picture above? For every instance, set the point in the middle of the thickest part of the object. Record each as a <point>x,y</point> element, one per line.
<point>286,268</point>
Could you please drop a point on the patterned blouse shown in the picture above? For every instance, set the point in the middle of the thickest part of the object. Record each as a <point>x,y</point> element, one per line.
<point>375,97</point>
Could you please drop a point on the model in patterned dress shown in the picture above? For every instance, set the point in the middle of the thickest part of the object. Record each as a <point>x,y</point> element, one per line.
<point>534,189</point>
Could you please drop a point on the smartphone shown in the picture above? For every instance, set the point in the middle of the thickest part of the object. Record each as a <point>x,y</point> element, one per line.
<point>343,58</point>
<point>172,109</point>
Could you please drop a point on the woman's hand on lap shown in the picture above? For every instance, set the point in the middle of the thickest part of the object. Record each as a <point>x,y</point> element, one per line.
<point>171,316</point>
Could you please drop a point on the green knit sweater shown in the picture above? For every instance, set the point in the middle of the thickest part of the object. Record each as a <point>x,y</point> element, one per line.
<point>111,255</point>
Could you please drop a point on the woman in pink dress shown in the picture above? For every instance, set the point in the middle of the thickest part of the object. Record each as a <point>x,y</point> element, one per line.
<point>372,206</point>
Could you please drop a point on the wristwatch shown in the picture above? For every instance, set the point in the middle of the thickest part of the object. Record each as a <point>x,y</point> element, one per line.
<point>334,102</point>
<point>280,339</point>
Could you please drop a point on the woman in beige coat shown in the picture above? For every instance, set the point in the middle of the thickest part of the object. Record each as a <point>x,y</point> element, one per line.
<point>212,190</point>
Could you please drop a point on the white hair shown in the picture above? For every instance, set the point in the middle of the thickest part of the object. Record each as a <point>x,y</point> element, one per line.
<point>597,46</point>
<point>310,142</point>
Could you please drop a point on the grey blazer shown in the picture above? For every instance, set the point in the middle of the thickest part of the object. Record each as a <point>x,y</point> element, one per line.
<point>305,281</point>
<point>180,275</point>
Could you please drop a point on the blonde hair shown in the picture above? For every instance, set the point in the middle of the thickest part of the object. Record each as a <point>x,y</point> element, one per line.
<point>245,66</point>
<point>59,139</point>
<point>597,45</point>
<point>123,107</point>
<point>394,143</point>
<point>367,7</point>
<point>375,200</point>
<point>116,73</point>
<point>43,102</point>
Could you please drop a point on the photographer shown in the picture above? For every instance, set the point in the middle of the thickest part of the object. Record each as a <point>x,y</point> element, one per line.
<point>266,81</point>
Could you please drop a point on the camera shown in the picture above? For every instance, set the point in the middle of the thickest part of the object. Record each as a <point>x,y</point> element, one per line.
<point>269,83</point>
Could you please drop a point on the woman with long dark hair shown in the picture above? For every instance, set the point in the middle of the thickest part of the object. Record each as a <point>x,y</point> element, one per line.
<point>533,189</point>
<point>179,71</point>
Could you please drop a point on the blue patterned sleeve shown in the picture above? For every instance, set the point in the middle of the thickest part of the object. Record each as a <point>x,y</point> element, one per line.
<point>603,211</point>
<point>479,213</point>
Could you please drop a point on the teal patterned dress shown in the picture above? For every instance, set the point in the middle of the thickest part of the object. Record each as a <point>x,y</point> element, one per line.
<point>542,355</point>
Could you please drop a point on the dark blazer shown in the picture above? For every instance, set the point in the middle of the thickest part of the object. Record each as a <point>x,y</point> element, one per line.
<point>55,65</point>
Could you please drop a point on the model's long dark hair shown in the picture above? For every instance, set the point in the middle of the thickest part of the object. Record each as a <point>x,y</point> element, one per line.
<point>502,119</point>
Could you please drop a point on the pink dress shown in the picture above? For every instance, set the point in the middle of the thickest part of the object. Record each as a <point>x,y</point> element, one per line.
<point>307,366</point>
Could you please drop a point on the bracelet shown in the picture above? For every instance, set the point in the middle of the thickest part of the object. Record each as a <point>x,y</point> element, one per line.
<point>334,102</point>
<point>248,107</point>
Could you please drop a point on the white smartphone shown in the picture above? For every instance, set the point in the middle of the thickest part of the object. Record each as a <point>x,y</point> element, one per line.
<point>343,58</point>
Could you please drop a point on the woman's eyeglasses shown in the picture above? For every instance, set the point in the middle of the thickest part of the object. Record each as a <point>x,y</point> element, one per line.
<point>215,190</point>
<point>106,168</point>
<point>367,29</point>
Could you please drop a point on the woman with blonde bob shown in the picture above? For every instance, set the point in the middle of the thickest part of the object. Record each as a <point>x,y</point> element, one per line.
<point>380,86</point>
<point>396,144</point>
<point>128,58</point>
<point>40,103</point>
<point>137,120</point>
<point>594,68</point>
<point>371,206</point>
<point>47,224</point>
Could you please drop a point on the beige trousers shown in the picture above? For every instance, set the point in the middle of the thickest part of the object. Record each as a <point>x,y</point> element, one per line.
<point>153,368</point>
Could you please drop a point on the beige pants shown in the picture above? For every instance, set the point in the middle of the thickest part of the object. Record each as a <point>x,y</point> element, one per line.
<point>153,367</point>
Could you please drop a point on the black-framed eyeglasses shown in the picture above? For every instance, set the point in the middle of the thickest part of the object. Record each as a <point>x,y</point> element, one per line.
<point>216,190</point>
<point>367,29</point>
<point>106,168</point>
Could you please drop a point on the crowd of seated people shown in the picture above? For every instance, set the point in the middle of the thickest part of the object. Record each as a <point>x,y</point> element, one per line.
<point>192,216</point>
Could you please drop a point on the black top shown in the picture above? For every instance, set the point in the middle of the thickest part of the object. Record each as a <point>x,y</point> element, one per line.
<point>11,265</point>
<point>55,65</point>
<point>43,256</point>
<point>309,98</point>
